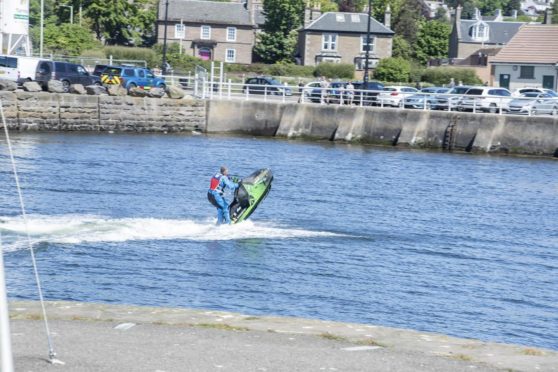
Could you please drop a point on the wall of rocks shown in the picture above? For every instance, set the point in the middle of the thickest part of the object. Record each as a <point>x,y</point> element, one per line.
<point>41,111</point>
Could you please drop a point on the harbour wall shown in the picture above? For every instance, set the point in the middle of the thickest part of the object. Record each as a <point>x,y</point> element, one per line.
<point>43,111</point>
<point>451,131</point>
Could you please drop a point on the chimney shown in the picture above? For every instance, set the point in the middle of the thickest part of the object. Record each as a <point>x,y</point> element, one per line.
<point>458,14</point>
<point>498,16</point>
<point>514,14</point>
<point>311,12</point>
<point>548,16</point>
<point>387,17</point>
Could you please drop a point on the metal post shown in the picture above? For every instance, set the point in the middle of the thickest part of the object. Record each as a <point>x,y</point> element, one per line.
<point>211,77</point>
<point>80,10</point>
<point>367,55</point>
<point>230,87</point>
<point>42,28</point>
<point>5,341</point>
<point>164,67</point>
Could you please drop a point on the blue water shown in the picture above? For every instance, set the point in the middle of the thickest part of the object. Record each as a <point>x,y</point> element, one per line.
<point>465,245</point>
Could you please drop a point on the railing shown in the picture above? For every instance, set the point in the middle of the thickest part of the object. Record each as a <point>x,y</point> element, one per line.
<point>204,89</point>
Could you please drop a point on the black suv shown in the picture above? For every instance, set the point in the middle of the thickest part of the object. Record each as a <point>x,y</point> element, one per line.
<point>68,73</point>
<point>368,91</point>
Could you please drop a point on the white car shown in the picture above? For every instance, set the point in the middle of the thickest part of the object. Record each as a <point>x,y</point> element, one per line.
<point>521,91</point>
<point>489,99</point>
<point>395,95</point>
<point>308,88</point>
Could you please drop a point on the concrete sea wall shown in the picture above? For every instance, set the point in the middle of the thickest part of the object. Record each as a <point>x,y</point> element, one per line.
<point>68,112</point>
<point>453,131</point>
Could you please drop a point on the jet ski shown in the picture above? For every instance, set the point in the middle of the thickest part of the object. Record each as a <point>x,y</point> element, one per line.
<point>249,194</point>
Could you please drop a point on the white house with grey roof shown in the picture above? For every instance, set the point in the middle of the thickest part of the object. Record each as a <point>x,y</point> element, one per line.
<point>341,38</point>
<point>211,30</point>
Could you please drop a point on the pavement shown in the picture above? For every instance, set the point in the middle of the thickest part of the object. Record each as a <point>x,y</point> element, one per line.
<point>101,337</point>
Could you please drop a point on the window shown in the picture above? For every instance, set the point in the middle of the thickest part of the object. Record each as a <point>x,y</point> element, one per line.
<point>205,32</point>
<point>231,33</point>
<point>340,17</point>
<point>9,62</point>
<point>179,31</point>
<point>128,72</point>
<point>355,18</point>
<point>81,70</point>
<point>230,56</point>
<point>329,42</point>
<point>364,46</point>
<point>141,73</point>
<point>479,31</point>
<point>527,72</point>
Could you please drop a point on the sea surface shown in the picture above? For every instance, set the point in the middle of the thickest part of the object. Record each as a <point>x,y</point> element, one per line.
<point>460,244</point>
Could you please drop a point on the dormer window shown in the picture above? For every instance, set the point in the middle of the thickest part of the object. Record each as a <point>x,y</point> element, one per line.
<point>479,31</point>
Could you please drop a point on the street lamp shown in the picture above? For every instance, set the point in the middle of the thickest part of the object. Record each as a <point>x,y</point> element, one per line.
<point>164,66</point>
<point>367,55</point>
<point>42,28</point>
<point>71,11</point>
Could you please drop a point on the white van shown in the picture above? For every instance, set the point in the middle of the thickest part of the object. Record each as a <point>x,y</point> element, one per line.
<point>18,68</point>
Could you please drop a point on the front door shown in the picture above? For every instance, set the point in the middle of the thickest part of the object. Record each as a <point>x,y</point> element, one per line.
<point>548,82</point>
<point>204,54</point>
<point>505,81</point>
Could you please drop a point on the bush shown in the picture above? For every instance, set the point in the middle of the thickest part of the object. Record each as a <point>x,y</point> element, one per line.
<point>443,75</point>
<point>132,53</point>
<point>393,69</point>
<point>335,70</point>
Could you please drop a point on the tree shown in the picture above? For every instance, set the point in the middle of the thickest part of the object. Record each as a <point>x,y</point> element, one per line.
<point>328,6</point>
<point>352,6</point>
<point>406,24</point>
<point>277,42</point>
<point>394,69</point>
<point>555,12</point>
<point>67,39</point>
<point>379,9</point>
<point>401,48</point>
<point>432,40</point>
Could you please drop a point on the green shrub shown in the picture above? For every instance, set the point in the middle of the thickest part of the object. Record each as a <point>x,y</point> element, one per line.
<point>393,69</point>
<point>335,70</point>
<point>443,75</point>
<point>132,53</point>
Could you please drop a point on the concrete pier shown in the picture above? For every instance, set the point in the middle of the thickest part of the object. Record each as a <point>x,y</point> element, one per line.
<point>100,337</point>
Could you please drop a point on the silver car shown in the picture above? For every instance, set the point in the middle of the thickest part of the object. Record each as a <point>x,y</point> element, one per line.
<point>545,106</point>
<point>524,104</point>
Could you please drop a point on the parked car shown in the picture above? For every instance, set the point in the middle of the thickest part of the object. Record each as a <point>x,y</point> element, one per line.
<point>487,99</point>
<point>309,88</point>
<point>68,73</point>
<point>524,105</point>
<point>450,99</point>
<point>98,70</point>
<point>521,91</point>
<point>265,85</point>
<point>424,98</point>
<point>545,106</point>
<point>395,95</point>
<point>131,77</point>
<point>18,68</point>
<point>334,94</point>
<point>367,93</point>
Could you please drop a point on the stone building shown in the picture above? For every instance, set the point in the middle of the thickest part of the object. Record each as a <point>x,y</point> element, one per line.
<point>341,38</point>
<point>211,30</point>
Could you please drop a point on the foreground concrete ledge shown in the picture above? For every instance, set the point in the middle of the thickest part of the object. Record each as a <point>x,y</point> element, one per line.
<point>489,354</point>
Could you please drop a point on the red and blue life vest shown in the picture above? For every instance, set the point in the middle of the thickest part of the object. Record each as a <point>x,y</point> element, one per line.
<point>215,183</point>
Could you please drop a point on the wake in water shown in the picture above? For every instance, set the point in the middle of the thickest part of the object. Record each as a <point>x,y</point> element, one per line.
<point>75,229</point>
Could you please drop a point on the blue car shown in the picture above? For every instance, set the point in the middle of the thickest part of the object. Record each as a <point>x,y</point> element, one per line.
<point>131,77</point>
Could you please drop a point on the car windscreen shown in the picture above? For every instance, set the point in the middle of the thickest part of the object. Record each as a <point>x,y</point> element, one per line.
<point>474,92</point>
<point>112,71</point>
<point>274,82</point>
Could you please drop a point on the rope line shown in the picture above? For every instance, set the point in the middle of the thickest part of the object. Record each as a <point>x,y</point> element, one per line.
<point>51,352</point>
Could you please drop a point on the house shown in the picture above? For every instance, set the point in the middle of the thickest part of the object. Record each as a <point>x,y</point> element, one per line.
<point>211,30</point>
<point>530,59</point>
<point>341,38</point>
<point>535,7</point>
<point>468,36</point>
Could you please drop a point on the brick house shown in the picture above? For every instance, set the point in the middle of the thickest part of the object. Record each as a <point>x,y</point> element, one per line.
<point>341,38</point>
<point>211,30</point>
<point>529,60</point>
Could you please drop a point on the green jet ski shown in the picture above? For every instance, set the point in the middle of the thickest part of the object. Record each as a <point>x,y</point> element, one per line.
<point>249,194</point>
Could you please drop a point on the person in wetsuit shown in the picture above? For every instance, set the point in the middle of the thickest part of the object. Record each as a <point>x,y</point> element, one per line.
<point>219,182</point>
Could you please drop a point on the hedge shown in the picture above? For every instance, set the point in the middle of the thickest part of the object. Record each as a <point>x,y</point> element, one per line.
<point>443,75</point>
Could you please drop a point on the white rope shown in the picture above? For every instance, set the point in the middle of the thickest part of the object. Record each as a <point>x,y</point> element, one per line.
<point>51,353</point>
<point>5,336</point>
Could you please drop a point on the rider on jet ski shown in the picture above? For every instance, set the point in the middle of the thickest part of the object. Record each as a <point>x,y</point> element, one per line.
<point>219,182</point>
